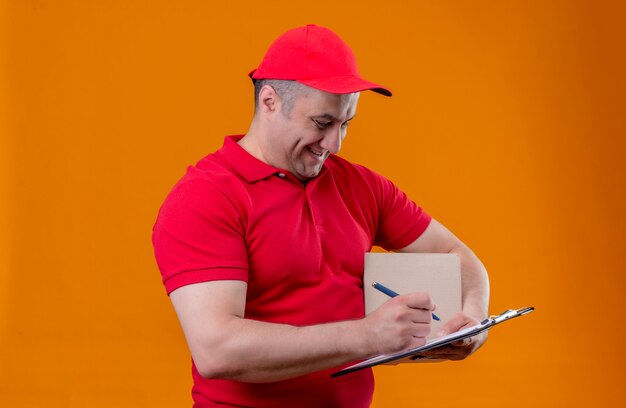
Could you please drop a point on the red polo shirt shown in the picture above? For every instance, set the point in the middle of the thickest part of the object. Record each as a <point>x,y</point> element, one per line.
<point>300,248</point>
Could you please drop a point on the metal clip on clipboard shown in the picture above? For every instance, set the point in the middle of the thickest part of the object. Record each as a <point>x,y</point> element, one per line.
<point>414,353</point>
<point>509,314</point>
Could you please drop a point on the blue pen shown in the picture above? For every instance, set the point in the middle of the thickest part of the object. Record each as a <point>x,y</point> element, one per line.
<point>391,293</point>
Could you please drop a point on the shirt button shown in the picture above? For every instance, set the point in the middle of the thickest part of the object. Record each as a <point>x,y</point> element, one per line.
<point>281,175</point>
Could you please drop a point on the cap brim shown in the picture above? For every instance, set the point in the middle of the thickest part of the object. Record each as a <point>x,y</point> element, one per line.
<point>345,85</point>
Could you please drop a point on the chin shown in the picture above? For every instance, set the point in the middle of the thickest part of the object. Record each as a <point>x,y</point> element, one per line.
<point>307,176</point>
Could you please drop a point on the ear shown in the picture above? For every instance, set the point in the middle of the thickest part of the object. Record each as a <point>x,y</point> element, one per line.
<point>269,101</point>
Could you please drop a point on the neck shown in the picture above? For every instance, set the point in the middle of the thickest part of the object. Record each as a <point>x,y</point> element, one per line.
<point>251,142</point>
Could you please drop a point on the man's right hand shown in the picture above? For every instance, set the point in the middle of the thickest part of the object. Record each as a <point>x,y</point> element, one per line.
<point>401,323</point>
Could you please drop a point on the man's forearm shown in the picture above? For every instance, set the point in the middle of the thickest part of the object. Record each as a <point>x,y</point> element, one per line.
<point>226,345</point>
<point>254,351</point>
<point>475,283</point>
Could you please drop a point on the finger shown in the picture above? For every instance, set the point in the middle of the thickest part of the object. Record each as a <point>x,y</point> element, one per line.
<point>421,330</point>
<point>421,316</point>
<point>419,300</point>
<point>463,343</point>
<point>440,351</point>
<point>457,322</point>
<point>447,353</point>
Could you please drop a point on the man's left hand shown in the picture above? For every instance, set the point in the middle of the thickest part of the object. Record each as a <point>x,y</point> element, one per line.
<point>462,348</point>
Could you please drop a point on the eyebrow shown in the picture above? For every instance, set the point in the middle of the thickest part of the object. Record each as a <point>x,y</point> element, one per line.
<point>328,116</point>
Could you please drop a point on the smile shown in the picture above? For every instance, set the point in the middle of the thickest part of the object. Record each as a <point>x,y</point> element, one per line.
<point>316,153</point>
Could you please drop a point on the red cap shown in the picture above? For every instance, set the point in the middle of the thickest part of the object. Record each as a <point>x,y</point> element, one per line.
<point>317,57</point>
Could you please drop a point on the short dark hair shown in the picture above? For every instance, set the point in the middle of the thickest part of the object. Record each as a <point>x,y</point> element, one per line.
<point>288,91</point>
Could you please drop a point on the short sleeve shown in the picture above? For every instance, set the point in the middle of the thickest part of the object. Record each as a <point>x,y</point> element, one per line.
<point>199,236</point>
<point>400,220</point>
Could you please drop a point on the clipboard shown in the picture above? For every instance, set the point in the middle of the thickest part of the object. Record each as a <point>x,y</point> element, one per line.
<point>414,353</point>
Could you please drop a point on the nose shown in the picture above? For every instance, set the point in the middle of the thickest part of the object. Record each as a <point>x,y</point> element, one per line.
<point>332,139</point>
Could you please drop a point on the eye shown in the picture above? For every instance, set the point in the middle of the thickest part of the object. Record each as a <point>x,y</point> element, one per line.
<point>345,125</point>
<point>321,124</point>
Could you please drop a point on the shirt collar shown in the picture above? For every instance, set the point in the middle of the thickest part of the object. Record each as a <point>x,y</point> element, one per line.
<point>251,168</point>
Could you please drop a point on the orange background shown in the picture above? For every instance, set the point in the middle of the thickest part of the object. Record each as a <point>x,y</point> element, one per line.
<point>507,124</point>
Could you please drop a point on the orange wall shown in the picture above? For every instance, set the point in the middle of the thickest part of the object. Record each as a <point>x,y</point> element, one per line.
<point>507,125</point>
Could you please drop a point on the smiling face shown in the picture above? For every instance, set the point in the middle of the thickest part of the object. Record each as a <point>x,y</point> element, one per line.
<point>301,139</point>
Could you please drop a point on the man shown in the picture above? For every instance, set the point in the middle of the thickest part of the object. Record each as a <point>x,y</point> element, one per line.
<point>261,245</point>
